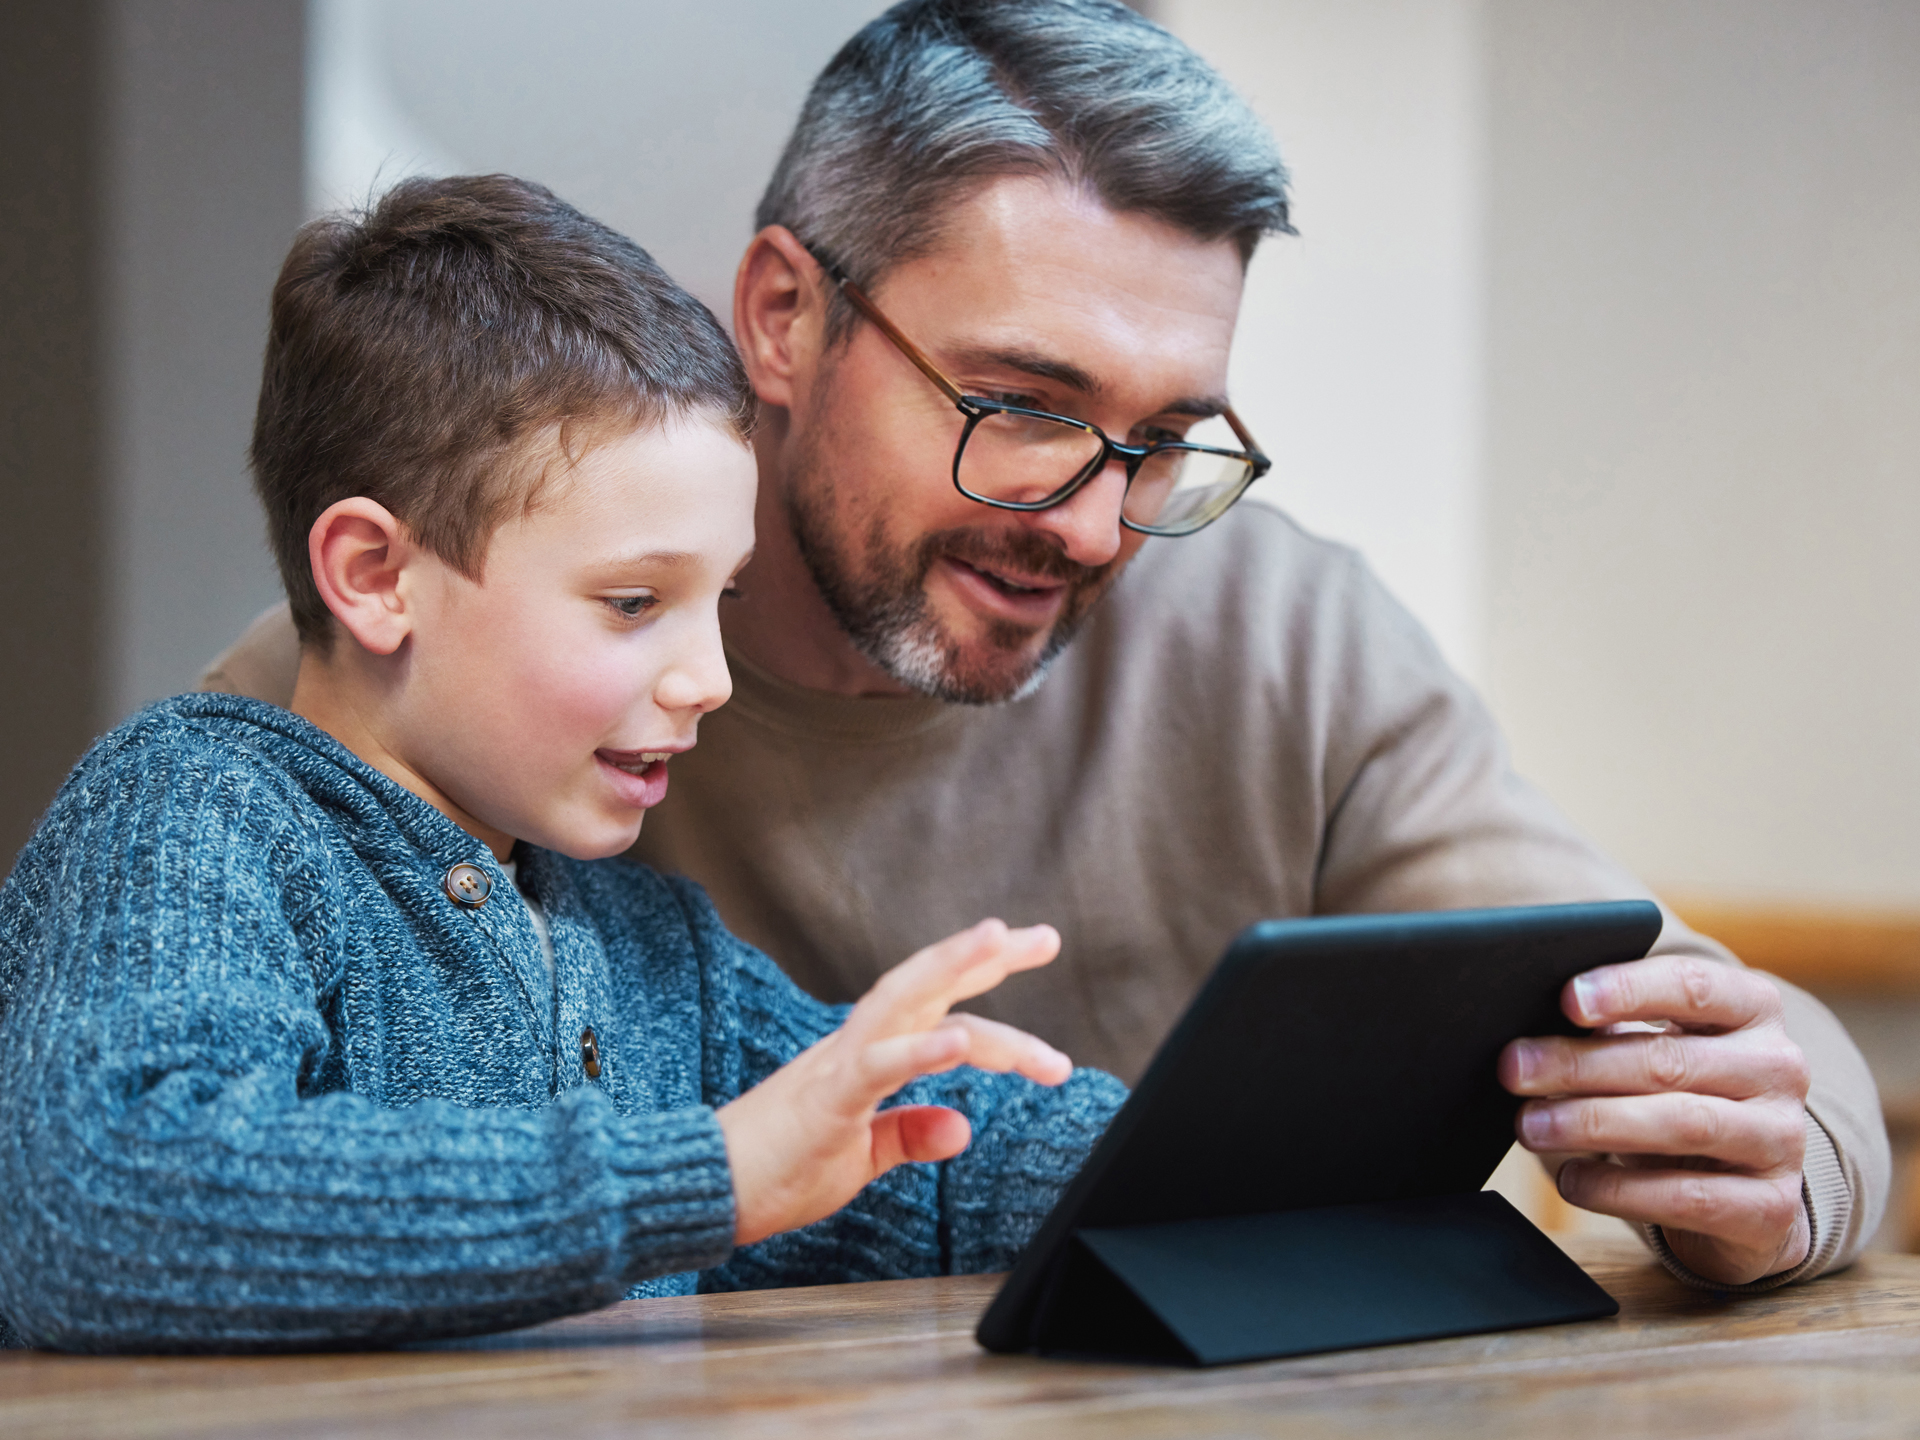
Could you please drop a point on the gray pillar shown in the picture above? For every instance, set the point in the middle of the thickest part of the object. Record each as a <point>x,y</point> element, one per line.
<point>152,175</point>
<point>50,368</point>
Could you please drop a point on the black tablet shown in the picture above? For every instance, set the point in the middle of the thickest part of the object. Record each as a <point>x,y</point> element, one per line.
<point>1331,1062</point>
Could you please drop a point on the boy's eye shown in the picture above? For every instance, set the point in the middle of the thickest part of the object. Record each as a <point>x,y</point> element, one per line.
<point>631,607</point>
<point>732,592</point>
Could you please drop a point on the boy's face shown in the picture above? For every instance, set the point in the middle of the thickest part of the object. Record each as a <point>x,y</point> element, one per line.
<point>543,699</point>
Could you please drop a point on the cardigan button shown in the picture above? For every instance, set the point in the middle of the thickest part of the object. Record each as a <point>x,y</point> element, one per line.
<point>467,885</point>
<point>590,1053</point>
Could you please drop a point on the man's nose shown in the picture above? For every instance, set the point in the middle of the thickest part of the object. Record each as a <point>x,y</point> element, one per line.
<point>1087,525</point>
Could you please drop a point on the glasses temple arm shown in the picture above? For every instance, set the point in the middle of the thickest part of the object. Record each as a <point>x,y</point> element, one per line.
<point>1247,442</point>
<point>858,299</point>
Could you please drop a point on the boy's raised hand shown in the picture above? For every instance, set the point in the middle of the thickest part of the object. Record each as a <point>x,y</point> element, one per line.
<point>809,1137</point>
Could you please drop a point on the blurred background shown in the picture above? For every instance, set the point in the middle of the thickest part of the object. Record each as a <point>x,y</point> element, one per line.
<point>1601,339</point>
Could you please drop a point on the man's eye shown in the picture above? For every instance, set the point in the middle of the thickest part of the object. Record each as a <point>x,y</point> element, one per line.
<point>631,607</point>
<point>1007,397</point>
<point>1160,435</point>
<point>732,592</point>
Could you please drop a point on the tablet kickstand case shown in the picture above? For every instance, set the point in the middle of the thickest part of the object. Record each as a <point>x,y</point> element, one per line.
<point>1299,1170</point>
<point>1292,1282</point>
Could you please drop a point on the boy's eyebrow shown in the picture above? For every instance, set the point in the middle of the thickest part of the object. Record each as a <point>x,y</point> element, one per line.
<point>664,559</point>
<point>1065,372</point>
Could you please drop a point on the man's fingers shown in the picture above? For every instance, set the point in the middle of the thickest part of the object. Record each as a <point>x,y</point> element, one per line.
<point>993,1046</point>
<point>917,1133</point>
<point>1697,994</point>
<point>918,991</point>
<point>1735,1209</point>
<point>1753,1136</point>
<point>1739,1067</point>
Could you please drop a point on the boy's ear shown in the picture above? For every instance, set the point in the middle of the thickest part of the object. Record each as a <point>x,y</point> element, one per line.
<point>359,552</point>
<point>779,314</point>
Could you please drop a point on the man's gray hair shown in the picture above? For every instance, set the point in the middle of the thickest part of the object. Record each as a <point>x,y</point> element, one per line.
<point>937,96</point>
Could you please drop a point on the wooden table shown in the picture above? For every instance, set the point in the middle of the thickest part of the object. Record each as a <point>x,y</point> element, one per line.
<point>1840,1357</point>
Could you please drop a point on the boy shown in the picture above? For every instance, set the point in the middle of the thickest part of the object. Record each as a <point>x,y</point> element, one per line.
<point>320,1028</point>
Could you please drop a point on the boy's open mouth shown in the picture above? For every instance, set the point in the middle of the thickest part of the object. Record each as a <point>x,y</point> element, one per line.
<point>639,777</point>
<point>632,763</point>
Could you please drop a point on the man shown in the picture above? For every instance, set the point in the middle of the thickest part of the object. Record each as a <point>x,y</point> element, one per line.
<point>990,301</point>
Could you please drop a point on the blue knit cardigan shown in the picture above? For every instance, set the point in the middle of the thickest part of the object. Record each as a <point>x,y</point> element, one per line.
<point>263,1085</point>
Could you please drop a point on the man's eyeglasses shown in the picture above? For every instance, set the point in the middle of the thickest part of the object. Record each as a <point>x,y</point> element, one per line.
<point>1014,458</point>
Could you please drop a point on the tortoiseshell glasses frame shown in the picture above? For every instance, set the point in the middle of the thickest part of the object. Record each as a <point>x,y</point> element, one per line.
<point>1038,439</point>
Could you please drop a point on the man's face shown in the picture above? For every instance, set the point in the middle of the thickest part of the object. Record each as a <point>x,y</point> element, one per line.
<point>1042,297</point>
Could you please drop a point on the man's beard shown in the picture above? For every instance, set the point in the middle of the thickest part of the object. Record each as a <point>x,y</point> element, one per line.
<point>877,593</point>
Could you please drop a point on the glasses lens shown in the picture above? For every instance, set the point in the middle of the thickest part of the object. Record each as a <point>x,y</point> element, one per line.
<point>1184,488</point>
<point>1024,459</point>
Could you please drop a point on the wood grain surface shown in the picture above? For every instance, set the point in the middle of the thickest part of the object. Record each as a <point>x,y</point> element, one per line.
<point>1839,1357</point>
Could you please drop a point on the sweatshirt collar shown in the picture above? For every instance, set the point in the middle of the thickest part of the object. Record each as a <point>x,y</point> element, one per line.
<point>763,699</point>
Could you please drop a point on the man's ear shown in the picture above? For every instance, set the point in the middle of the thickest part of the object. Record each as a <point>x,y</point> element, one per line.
<point>360,553</point>
<point>779,314</point>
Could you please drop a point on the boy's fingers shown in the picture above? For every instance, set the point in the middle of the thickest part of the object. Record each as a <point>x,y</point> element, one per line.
<point>994,1046</point>
<point>918,991</point>
<point>974,961</point>
<point>907,996</point>
<point>885,1065</point>
<point>917,1133</point>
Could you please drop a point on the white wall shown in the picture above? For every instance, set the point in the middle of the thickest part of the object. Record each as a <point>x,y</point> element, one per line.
<point>1704,433</point>
<point>1358,361</point>
<point>663,120</point>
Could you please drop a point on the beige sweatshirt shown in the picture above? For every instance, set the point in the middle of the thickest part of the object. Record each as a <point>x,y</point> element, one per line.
<point>1248,727</point>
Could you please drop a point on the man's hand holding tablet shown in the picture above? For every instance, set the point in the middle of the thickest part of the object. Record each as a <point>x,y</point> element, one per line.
<point>1706,1117</point>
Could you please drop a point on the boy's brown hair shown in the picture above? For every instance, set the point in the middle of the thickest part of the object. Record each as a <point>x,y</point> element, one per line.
<point>416,349</point>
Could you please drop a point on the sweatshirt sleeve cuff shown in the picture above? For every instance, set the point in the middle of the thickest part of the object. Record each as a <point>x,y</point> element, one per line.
<point>1823,1190</point>
<point>677,1192</point>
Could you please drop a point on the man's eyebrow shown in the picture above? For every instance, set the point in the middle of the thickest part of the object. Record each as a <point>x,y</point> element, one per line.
<point>1064,372</point>
<point>1202,407</point>
<point>1028,362</point>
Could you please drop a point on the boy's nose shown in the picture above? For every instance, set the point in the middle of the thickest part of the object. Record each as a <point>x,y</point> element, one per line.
<point>699,681</point>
